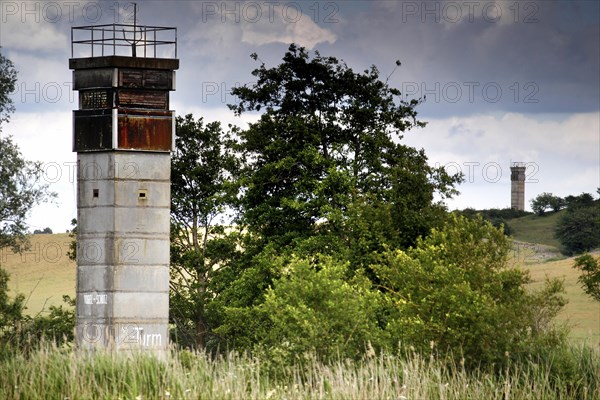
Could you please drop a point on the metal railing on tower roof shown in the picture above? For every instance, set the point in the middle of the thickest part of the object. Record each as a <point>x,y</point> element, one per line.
<point>123,40</point>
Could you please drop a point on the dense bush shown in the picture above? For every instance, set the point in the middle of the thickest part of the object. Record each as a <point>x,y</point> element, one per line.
<point>579,228</point>
<point>453,291</point>
<point>22,333</point>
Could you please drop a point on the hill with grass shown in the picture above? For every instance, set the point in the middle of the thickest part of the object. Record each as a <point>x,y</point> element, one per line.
<point>536,229</point>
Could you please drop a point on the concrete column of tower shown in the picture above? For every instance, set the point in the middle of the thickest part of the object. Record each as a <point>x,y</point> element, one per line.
<point>123,136</point>
<point>517,185</point>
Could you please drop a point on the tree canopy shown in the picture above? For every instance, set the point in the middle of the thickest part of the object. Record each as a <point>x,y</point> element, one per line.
<point>328,137</point>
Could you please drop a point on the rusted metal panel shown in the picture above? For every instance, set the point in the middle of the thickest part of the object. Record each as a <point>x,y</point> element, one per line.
<point>92,130</point>
<point>145,130</point>
<point>155,79</point>
<point>145,79</point>
<point>154,99</point>
<point>93,78</point>
<point>131,78</point>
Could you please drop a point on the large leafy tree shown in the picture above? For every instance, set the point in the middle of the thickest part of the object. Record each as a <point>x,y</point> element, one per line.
<point>544,201</point>
<point>202,191</point>
<point>328,138</point>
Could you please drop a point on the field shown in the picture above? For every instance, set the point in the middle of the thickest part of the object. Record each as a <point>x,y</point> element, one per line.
<point>536,249</point>
<point>581,312</point>
<point>43,274</point>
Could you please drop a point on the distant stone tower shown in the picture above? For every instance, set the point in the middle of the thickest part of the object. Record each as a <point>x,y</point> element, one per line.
<point>517,185</point>
<point>123,134</point>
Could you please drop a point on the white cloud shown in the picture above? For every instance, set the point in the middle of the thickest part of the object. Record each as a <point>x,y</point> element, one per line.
<point>46,137</point>
<point>304,32</point>
<point>563,154</point>
<point>26,26</point>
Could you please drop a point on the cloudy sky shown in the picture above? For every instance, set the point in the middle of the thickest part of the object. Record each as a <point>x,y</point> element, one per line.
<point>504,80</point>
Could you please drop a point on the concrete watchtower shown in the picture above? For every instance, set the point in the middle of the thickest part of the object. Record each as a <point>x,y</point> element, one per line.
<point>517,185</point>
<point>123,133</point>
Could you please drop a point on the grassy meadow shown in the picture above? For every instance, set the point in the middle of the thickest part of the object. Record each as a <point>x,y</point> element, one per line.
<point>186,375</point>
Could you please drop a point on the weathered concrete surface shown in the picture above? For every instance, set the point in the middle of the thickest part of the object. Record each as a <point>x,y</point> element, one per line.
<point>123,250</point>
<point>517,186</point>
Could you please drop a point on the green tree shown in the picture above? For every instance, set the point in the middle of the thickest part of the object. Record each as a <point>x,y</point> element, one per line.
<point>582,200</point>
<point>314,308</point>
<point>590,274</point>
<point>21,188</point>
<point>11,314</point>
<point>327,138</point>
<point>545,201</point>
<point>324,174</point>
<point>72,252</point>
<point>579,228</point>
<point>203,190</point>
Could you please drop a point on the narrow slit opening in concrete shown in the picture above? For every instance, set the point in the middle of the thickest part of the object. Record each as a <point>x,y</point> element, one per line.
<point>95,193</point>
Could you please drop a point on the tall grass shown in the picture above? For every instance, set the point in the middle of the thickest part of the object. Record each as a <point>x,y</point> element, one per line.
<point>59,373</point>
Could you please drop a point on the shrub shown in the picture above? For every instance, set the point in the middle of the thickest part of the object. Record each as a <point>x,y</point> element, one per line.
<point>454,291</point>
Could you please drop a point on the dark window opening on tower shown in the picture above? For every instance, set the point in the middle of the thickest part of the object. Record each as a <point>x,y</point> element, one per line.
<point>142,194</point>
<point>95,193</point>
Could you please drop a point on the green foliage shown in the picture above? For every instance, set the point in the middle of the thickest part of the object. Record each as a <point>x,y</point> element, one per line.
<point>8,79</point>
<point>20,190</point>
<point>21,333</point>
<point>327,139</point>
<point>11,314</point>
<point>45,231</point>
<point>56,327</point>
<point>579,228</point>
<point>590,274</point>
<point>313,308</point>
<point>454,291</point>
<point>582,200</point>
<point>203,168</point>
<point>72,252</point>
<point>497,217</point>
<point>545,201</point>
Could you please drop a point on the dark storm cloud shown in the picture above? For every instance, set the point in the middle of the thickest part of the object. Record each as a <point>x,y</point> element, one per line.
<point>546,60</point>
